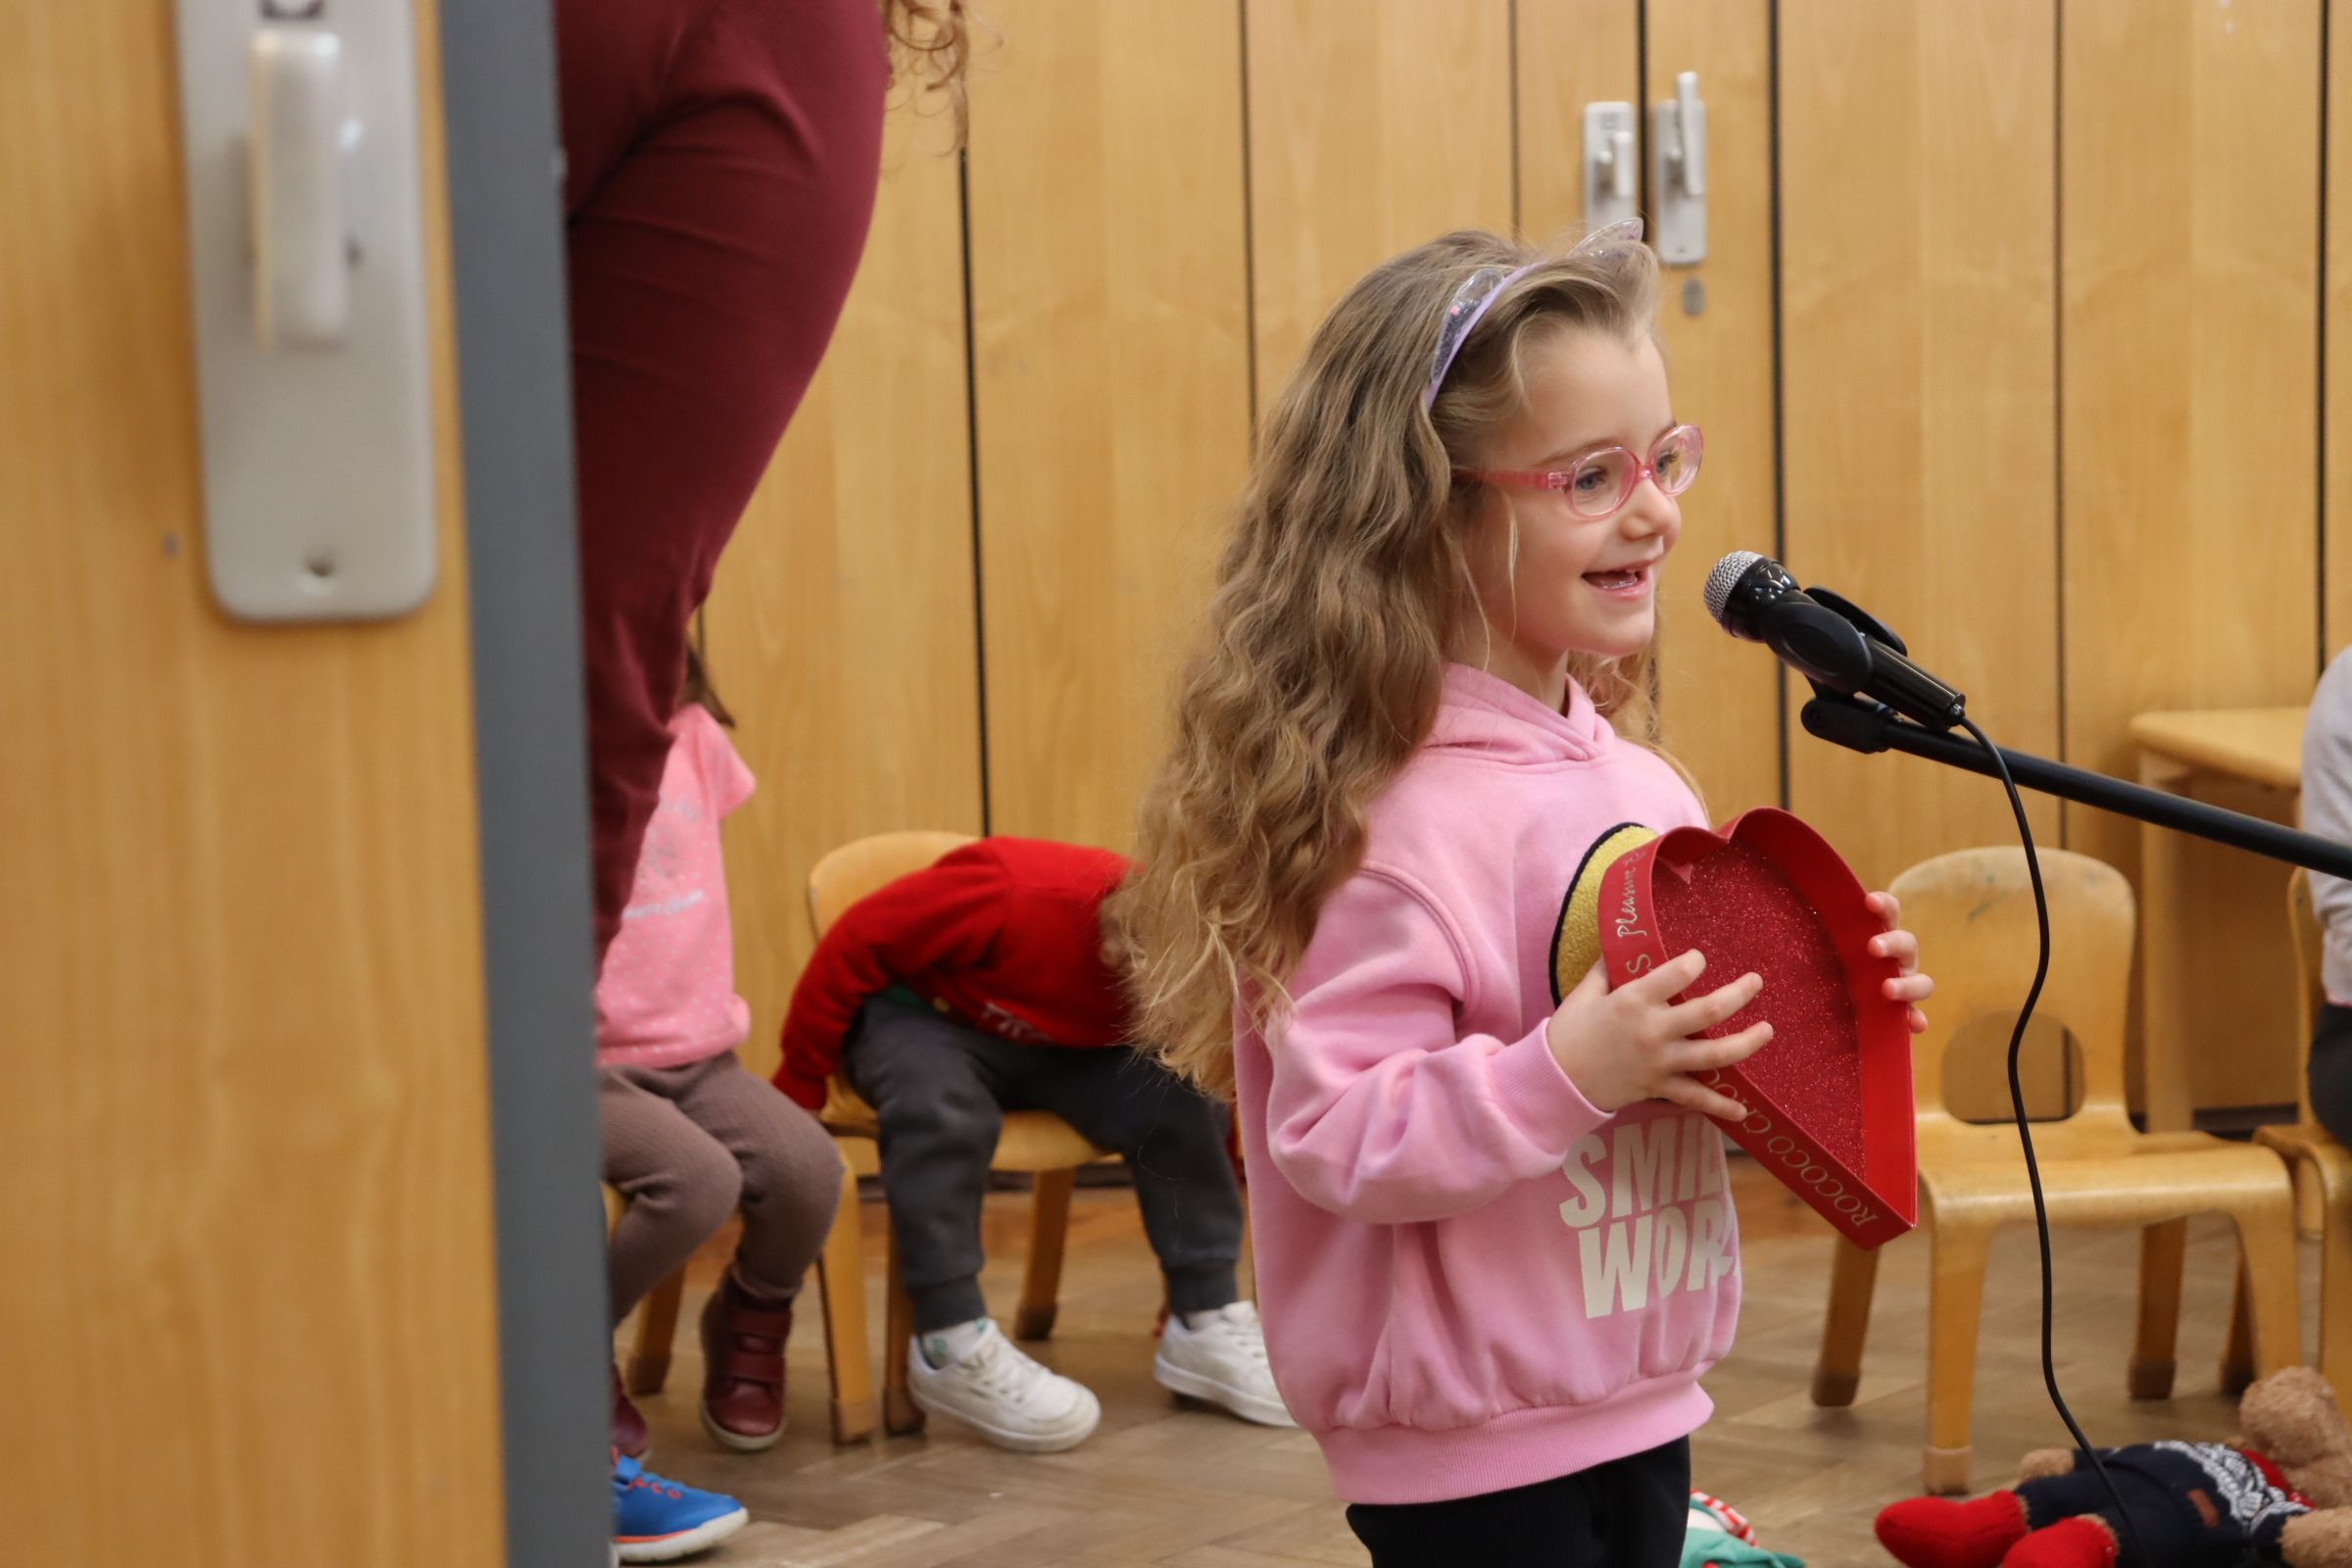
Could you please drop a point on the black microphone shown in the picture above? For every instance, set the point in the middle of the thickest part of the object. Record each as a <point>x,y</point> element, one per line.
<point>1826,639</point>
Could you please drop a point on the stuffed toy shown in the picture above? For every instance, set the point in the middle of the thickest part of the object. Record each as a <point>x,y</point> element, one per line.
<point>1719,1536</point>
<point>2281,1494</point>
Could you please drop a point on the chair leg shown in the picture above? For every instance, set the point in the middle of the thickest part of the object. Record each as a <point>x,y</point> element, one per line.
<point>841,1283</point>
<point>2336,1282</point>
<point>900,1414</point>
<point>1854,1279</point>
<point>1955,1295</point>
<point>2238,1350</point>
<point>656,1326</point>
<point>2268,1275</point>
<point>1049,1228</point>
<point>2154,1352</point>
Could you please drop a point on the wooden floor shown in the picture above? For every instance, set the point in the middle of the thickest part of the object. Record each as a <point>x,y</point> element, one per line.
<point>1190,1488</point>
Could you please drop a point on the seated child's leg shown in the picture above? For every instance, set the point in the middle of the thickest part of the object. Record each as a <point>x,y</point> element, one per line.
<point>681,1183</point>
<point>1173,1138</point>
<point>938,1118</point>
<point>2331,1071</point>
<point>1211,1346</point>
<point>791,1172</point>
<point>791,1190</point>
<point>937,1088</point>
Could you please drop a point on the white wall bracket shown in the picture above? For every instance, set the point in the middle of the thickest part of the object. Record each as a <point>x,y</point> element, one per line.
<point>299,132</point>
<point>1678,188</point>
<point>1612,165</point>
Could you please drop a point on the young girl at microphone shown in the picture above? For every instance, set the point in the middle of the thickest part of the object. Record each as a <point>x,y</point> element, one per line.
<point>1423,694</point>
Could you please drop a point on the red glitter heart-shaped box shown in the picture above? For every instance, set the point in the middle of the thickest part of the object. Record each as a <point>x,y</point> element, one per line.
<point>1830,1106</point>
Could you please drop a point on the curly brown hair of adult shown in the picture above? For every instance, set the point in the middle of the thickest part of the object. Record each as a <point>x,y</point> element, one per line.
<point>1345,589</point>
<point>931,40</point>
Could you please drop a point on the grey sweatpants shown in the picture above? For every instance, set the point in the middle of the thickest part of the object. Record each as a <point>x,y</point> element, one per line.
<point>689,1146</point>
<point>940,1089</point>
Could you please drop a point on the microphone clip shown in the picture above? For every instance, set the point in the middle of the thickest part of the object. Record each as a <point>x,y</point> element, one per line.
<point>1857,724</point>
<point>1844,652</point>
<point>1862,620</point>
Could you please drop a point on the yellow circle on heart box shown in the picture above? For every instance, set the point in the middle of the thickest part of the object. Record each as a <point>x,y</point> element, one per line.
<point>1575,940</point>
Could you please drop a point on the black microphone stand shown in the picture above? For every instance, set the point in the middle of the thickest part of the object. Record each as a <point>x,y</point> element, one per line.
<point>1870,727</point>
<point>1863,724</point>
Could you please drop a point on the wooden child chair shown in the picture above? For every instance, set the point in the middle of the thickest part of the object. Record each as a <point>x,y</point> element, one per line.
<point>1035,1142</point>
<point>647,1368</point>
<point>1974,914</point>
<point>2311,1149</point>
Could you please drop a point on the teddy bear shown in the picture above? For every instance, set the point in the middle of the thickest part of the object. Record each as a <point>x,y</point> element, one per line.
<point>2281,1494</point>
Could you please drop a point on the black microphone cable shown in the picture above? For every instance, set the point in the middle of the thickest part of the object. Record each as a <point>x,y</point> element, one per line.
<point>1849,656</point>
<point>2024,1137</point>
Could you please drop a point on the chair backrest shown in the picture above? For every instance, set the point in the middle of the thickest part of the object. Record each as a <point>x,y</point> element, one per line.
<point>2311,989</point>
<point>868,865</point>
<point>1973,911</point>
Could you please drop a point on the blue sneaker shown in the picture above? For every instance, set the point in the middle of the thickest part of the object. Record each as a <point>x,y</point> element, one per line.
<point>654,1520</point>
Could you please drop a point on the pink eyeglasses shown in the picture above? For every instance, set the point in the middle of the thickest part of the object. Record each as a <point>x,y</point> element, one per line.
<point>1601,481</point>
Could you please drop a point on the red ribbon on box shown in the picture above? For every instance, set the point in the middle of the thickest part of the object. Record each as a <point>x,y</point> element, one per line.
<point>1830,1104</point>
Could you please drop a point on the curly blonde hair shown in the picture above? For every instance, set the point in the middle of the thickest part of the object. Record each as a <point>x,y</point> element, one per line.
<point>1344,586</point>
<point>935,38</point>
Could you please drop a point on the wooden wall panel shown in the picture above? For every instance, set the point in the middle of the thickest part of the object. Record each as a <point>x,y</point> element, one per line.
<point>1918,355</point>
<point>1721,696</point>
<point>249,1315</point>
<point>2190,301</point>
<point>2336,454</point>
<point>1567,54</point>
<point>1111,379</point>
<point>1365,139</point>
<point>2192,312</point>
<point>841,626</point>
<point>1919,425</point>
<point>2237,1034</point>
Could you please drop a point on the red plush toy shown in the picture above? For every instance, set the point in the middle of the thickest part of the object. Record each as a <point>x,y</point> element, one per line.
<point>2283,1494</point>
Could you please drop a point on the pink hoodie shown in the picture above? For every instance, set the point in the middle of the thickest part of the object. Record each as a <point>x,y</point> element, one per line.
<point>1472,1279</point>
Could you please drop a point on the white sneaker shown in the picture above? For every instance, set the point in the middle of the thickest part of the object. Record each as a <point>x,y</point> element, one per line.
<point>1005,1395</point>
<point>1224,1362</point>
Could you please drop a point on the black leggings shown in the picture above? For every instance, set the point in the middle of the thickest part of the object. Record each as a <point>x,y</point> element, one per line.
<point>2331,1071</point>
<point>1629,1513</point>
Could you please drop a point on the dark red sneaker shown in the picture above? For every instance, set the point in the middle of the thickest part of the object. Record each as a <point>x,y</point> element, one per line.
<point>628,1426</point>
<point>743,1367</point>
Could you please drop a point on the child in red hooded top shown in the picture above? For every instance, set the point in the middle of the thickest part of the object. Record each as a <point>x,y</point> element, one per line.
<point>978,986</point>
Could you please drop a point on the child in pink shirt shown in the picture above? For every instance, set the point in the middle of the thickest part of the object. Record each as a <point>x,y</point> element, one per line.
<point>1495,1247</point>
<point>689,1136</point>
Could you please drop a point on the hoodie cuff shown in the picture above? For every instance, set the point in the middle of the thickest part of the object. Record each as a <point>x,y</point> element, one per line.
<point>807,1093</point>
<point>1538,1097</point>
